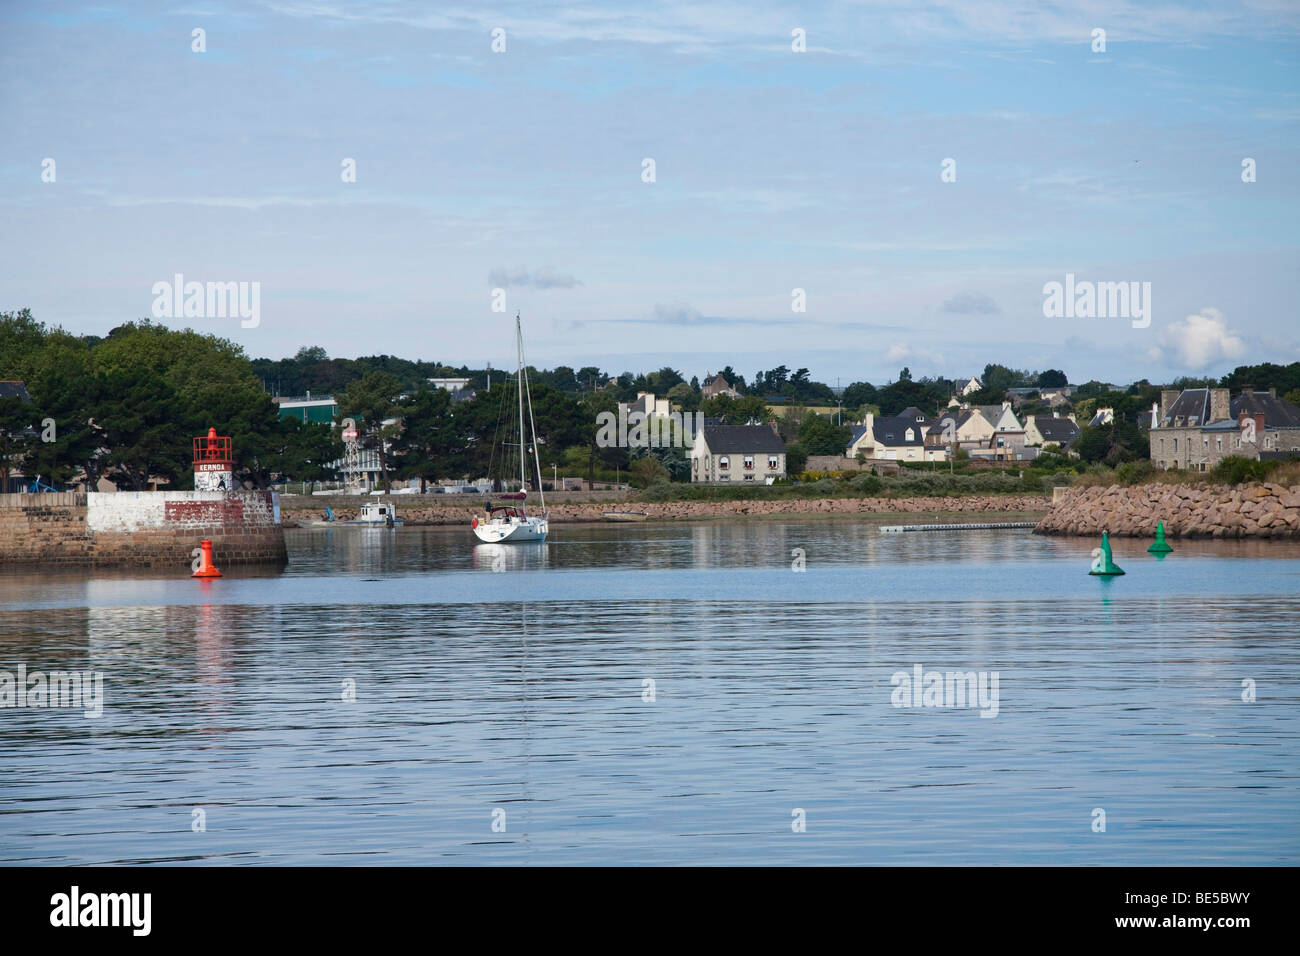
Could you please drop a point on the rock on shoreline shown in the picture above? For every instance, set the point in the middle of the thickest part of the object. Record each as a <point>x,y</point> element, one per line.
<point>1258,510</point>
<point>685,510</point>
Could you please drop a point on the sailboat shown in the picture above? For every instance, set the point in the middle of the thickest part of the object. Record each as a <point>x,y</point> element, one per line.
<point>510,523</point>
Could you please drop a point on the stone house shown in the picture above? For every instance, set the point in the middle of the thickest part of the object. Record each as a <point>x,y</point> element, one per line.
<point>715,385</point>
<point>727,453</point>
<point>1197,428</point>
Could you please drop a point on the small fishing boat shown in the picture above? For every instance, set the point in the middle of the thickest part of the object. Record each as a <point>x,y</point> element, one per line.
<point>624,515</point>
<point>373,515</point>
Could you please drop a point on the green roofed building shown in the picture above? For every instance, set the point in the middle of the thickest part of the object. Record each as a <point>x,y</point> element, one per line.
<point>321,410</point>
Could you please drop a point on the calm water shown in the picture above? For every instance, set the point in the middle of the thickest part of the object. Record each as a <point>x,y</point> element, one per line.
<point>512,678</point>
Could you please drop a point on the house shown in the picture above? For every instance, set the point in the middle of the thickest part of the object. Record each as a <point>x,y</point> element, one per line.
<point>897,438</point>
<point>725,453</point>
<point>1051,429</point>
<point>647,405</point>
<point>1001,417</point>
<point>965,427</point>
<point>715,385</point>
<point>1104,416</point>
<point>967,386</point>
<point>12,388</point>
<point>1197,428</point>
<point>449,384</point>
<point>322,410</point>
<point>1004,446</point>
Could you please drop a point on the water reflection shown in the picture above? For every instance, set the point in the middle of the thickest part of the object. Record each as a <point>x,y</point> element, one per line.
<point>524,691</point>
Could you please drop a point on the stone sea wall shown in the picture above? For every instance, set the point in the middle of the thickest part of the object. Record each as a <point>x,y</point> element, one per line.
<point>414,513</point>
<point>140,529</point>
<point>1261,510</point>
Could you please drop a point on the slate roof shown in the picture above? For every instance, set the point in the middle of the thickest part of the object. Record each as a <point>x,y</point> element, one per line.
<point>1060,430</point>
<point>1190,403</point>
<point>959,418</point>
<point>12,389</point>
<point>1277,412</point>
<point>742,439</point>
<point>893,431</point>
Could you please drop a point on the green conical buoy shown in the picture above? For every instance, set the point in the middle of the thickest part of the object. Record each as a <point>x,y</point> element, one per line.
<point>1103,565</point>
<point>1161,546</point>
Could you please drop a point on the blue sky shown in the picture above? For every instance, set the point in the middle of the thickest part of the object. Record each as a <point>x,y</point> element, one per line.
<point>774,170</point>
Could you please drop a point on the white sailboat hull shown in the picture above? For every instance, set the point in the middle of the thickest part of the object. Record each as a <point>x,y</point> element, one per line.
<point>512,530</point>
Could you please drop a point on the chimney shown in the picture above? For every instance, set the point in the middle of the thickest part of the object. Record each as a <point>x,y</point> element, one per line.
<point>1220,405</point>
<point>1167,397</point>
<point>1258,417</point>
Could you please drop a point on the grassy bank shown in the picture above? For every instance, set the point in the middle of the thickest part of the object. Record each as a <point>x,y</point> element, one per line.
<point>906,485</point>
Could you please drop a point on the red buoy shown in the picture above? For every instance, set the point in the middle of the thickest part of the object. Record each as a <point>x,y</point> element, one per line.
<point>206,568</point>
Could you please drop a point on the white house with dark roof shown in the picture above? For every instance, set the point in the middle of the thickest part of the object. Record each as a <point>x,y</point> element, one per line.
<point>737,453</point>
<point>1051,429</point>
<point>894,438</point>
<point>967,426</point>
<point>1001,417</point>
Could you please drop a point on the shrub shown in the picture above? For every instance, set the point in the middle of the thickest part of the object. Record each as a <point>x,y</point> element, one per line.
<point>1234,470</point>
<point>867,484</point>
<point>1135,472</point>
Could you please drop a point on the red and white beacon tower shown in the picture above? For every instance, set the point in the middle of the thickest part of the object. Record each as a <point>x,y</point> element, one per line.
<point>214,464</point>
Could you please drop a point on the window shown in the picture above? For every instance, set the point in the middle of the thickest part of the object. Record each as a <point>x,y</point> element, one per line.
<point>1218,444</point>
<point>724,461</point>
<point>772,462</point>
<point>1175,444</point>
<point>1206,442</point>
<point>749,477</point>
<point>749,461</point>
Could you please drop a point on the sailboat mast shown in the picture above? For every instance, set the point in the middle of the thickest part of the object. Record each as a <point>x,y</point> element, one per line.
<point>519,376</point>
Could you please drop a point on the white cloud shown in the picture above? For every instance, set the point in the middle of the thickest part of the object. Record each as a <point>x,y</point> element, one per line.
<point>902,352</point>
<point>1199,341</point>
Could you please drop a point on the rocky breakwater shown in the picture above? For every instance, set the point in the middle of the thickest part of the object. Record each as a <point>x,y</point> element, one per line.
<point>1261,510</point>
<point>413,514</point>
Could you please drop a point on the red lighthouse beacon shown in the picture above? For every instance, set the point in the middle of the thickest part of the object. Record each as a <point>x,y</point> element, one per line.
<point>214,465</point>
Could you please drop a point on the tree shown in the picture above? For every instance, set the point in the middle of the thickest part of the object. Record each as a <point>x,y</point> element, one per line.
<point>858,394</point>
<point>644,471</point>
<point>818,435</point>
<point>685,396</point>
<point>795,459</point>
<point>1051,378</point>
<point>16,435</point>
<point>430,445</point>
<point>135,413</point>
<point>736,411</point>
<point>371,402</point>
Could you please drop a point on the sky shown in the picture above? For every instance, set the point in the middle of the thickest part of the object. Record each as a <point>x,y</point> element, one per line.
<point>913,174</point>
